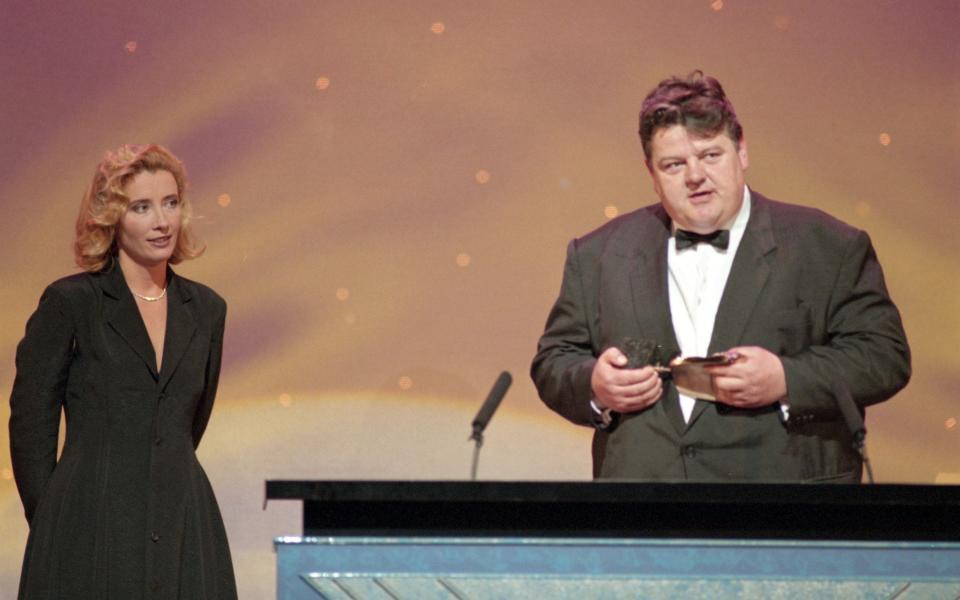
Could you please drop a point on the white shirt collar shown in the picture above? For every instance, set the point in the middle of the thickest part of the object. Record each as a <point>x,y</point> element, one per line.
<point>743,215</point>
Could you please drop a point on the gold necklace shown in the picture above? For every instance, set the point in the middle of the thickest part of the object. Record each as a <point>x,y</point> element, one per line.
<point>151,298</point>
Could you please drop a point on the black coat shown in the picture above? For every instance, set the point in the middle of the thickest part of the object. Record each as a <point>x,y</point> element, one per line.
<point>127,511</point>
<point>803,285</point>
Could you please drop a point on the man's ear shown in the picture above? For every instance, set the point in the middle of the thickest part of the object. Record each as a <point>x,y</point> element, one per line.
<point>657,189</point>
<point>742,154</point>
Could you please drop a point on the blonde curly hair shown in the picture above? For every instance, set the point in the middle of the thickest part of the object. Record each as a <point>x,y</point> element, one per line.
<point>105,203</point>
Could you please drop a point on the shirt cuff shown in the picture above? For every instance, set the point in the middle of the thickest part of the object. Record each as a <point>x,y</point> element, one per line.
<point>785,409</point>
<point>604,419</point>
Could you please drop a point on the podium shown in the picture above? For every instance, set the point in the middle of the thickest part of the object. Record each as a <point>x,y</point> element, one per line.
<point>459,539</point>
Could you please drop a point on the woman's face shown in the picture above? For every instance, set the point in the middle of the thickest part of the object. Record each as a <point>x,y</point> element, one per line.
<point>148,230</point>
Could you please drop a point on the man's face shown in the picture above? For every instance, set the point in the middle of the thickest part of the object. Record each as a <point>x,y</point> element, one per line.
<point>699,180</point>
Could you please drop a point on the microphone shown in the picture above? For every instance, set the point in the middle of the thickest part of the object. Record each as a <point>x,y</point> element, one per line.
<point>484,415</point>
<point>490,405</point>
<point>851,414</point>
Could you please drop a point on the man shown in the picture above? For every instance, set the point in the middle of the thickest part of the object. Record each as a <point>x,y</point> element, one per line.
<point>795,298</point>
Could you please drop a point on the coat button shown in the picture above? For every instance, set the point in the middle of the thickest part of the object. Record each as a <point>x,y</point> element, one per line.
<point>155,537</point>
<point>689,451</point>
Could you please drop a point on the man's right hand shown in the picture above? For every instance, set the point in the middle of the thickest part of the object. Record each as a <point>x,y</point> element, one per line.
<point>621,389</point>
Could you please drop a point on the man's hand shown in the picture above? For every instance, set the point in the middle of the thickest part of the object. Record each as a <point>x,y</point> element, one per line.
<point>621,389</point>
<point>754,380</point>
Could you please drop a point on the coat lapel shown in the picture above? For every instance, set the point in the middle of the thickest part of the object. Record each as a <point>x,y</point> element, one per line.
<point>745,284</point>
<point>651,305</point>
<point>181,327</point>
<point>122,315</point>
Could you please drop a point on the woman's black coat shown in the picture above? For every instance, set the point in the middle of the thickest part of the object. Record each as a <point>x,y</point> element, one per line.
<point>127,511</point>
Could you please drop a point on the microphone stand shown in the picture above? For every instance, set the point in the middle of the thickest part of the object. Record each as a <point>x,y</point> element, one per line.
<point>851,414</point>
<point>477,437</point>
<point>860,445</point>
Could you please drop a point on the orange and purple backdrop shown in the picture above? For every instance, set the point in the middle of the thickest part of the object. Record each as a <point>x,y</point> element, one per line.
<point>387,188</point>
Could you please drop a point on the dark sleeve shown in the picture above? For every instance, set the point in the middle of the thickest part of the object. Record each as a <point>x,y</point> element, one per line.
<point>866,345</point>
<point>212,377</point>
<point>43,364</point>
<point>564,362</point>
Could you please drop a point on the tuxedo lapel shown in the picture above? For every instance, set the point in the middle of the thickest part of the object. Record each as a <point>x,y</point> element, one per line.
<point>747,279</point>
<point>181,327</point>
<point>651,299</point>
<point>745,284</point>
<point>122,315</point>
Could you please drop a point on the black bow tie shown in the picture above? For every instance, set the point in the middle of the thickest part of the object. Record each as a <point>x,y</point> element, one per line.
<point>688,239</point>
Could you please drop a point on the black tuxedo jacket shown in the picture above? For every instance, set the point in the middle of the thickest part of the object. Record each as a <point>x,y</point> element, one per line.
<point>803,285</point>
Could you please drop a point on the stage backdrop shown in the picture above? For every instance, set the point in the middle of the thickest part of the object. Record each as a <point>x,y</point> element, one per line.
<point>387,190</point>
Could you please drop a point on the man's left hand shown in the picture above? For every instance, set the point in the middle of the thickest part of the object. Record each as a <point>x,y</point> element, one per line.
<point>754,380</point>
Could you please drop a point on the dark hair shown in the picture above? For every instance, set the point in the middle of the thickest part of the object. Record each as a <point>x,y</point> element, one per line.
<point>696,102</point>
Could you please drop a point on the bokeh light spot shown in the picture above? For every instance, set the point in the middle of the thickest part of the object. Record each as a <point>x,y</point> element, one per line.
<point>716,4</point>
<point>343,294</point>
<point>224,200</point>
<point>610,211</point>
<point>885,139</point>
<point>781,22</point>
<point>863,208</point>
<point>405,383</point>
<point>7,473</point>
<point>322,83</point>
<point>350,319</point>
<point>463,259</point>
<point>438,27</point>
<point>284,400</point>
<point>482,176</point>
<point>950,423</point>
<point>130,46</point>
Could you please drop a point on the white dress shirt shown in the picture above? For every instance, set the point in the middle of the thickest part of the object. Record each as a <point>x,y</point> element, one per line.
<point>698,275</point>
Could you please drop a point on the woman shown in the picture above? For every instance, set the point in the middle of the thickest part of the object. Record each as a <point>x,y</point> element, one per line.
<point>130,352</point>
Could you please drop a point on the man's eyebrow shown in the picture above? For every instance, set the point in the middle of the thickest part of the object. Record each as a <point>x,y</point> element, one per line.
<point>670,157</point>
<point>708,148</point>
